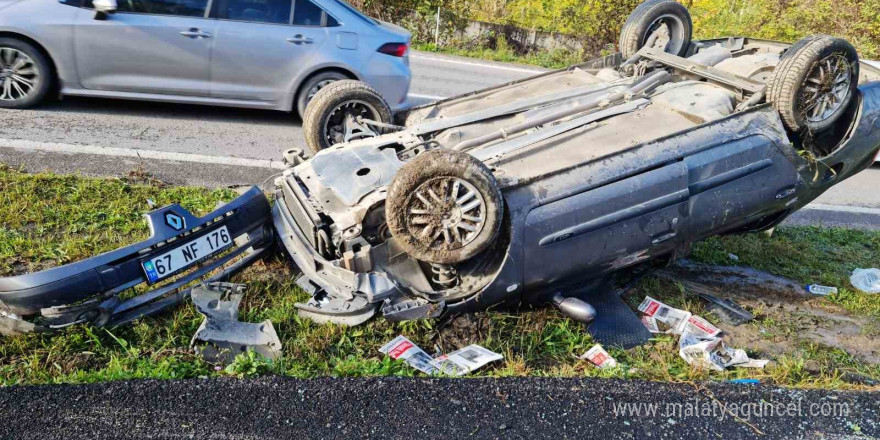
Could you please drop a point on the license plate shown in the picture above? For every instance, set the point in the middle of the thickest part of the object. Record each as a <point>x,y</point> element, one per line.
<point>186,255</point>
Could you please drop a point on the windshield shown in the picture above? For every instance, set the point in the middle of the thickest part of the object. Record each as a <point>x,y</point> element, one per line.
<point>356,12</point>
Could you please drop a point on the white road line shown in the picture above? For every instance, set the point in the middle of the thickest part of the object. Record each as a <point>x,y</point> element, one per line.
<point>468,63</point>
<point>53,147</point>
<point>431,97</point>
<point>843,208</point>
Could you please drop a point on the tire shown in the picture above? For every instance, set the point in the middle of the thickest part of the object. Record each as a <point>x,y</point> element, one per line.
<point>791,93</point>
<point>42,79</point>
<point>312,86</point>
<point>331,105</point>
<point>448,241</point>
<point>644,19</point>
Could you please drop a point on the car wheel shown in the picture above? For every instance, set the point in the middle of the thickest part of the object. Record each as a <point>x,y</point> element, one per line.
<point>314,85</point>
<point>444,207</point>
<point>25,74</point>
<point>667,16</point>
<point>814,83</point>
<point>333,115</point>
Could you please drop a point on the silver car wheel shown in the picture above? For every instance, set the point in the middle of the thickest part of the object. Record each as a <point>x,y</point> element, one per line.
<point>446,213</point>
<point>826,88</point>
<point>19,75</point>
<point>343,124</point>
<point>672,34</point>
<point>317,87</point>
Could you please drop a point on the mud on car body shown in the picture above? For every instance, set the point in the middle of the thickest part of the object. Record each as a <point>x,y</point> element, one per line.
<point>506,194</point>
<point>182,248</point>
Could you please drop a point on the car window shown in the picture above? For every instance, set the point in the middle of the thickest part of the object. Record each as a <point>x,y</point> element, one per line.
<point>186,8</point>
<point>306,13</point>
<point>262,11</point>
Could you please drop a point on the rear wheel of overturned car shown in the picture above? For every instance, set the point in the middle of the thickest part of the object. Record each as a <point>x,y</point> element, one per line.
<point>25,74</point>
<point>670,19</point>
<point>337,111</point>
<point>814,83</point>
<point>444,207</point>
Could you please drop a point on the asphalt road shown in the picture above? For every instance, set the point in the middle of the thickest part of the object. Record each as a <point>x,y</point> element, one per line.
<point>396,408</point>
<point>62,136</point>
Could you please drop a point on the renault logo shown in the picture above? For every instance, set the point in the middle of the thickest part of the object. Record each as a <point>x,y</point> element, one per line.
<point>174,220</point>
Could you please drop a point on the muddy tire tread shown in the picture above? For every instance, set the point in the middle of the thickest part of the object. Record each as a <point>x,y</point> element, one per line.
<point>785,82</point>
<point>632,28</point>
<point>329,97</point>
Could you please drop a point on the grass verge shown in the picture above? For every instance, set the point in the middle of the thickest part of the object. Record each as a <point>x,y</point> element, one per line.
<point>47,219</point>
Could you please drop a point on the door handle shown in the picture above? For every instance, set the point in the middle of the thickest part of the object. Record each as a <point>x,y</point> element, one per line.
<point>195,33</point>
<point>300,39</point>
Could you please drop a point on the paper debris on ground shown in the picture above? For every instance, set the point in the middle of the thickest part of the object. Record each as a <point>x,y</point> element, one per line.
<point>700,327</point>
<point>465,360</point>
<point>651,324</point>
<point>402,348</point>
<point>712,353</point>
<point>676,319</point>
<point>457,363</point>
<point>679,321</point>
<point>599,357</point>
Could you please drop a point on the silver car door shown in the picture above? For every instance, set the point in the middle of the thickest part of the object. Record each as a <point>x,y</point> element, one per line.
<point>258,54</point>
<point>147,46</point>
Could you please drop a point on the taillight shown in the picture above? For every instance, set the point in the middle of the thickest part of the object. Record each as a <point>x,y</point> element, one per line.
<point>394,49</point>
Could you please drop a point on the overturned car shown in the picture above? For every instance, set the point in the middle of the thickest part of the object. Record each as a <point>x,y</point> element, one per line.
<point>507,194</point>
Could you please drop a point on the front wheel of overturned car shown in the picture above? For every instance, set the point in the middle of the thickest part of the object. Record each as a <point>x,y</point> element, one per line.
<point>814,83</point>
<point>336,114</point>
<point>25,74</point>
<point>669,19</point>
<point>444,207</point>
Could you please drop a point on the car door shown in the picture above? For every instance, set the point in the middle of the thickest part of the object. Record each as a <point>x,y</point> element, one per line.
<point>262,46</point>
<point>147,46</point>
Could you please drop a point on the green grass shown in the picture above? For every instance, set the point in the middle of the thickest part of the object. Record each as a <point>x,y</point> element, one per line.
<point>43,213</point>
<point>553,59</point>
<point>46,219</point>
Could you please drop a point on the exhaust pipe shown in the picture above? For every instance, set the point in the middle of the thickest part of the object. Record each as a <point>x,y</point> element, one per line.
<point>574,308</point>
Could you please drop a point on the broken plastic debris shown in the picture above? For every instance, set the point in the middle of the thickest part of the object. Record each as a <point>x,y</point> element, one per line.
<point>733,257</point>
<point>457,363</point>
<point>679,321</point>
<point>599,357</point>
<point>866,280</point>
<point>816,289</point>
<point>712,353</point>
<point>221,336</point>
<point>727,310</point>
<point>745,381</point>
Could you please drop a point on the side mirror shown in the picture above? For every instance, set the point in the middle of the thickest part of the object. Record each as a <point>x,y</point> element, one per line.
<point>104,8</point>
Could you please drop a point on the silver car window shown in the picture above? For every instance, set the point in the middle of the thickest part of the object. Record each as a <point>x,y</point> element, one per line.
<point>185,8</point>
<point>261,11</point>
<point>306,13</point>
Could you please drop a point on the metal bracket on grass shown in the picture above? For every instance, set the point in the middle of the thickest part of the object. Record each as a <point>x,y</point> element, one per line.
<point>221,336</point>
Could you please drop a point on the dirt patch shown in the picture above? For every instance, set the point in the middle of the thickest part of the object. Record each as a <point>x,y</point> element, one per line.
<point>461,331</point>
<point>786,315</point>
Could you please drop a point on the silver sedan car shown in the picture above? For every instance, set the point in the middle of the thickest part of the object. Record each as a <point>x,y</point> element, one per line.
<point>267,54</point>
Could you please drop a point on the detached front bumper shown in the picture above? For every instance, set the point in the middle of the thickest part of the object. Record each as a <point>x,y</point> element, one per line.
<point>88,291</point>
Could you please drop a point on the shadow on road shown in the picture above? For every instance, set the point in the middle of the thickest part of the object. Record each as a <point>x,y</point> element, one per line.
<point>118,107</point>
